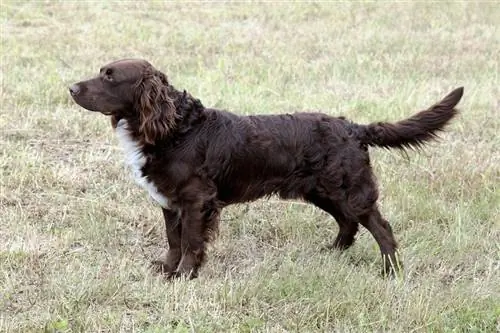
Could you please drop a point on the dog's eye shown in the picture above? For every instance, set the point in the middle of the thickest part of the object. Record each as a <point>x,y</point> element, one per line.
<point>107,75</point>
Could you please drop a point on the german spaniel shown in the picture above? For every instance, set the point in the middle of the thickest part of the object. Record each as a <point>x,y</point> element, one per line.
<point>194,161</point>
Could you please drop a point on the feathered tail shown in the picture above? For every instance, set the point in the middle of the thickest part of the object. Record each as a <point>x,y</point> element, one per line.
<point>414,131</point>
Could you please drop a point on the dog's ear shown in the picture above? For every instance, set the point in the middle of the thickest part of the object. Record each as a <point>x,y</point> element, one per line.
<point>156,108</point>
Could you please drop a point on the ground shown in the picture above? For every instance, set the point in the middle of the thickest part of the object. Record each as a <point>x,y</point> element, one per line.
<point>77,234</point>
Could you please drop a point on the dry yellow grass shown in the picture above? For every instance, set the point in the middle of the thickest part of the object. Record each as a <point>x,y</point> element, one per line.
<point>76,234</point>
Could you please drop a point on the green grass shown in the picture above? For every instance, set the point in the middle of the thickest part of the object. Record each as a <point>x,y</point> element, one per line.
<point>76,234</point>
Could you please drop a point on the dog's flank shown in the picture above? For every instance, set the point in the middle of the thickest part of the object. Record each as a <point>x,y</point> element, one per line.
<point>204,159</point>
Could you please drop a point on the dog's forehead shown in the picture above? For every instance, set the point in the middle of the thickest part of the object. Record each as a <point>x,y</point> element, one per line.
<point>132,66</point>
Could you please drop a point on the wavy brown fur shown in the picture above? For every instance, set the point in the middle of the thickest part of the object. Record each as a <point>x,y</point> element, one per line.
<point>199,160</point>
<point>157,107</point>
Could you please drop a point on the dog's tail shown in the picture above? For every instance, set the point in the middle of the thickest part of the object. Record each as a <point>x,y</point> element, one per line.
<point>414,131</point>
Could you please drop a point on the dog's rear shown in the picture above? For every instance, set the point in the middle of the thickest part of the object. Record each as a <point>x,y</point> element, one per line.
<point>414,131</point>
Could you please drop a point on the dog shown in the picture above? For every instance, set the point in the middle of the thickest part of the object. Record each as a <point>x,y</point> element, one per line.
<point>194,161</point>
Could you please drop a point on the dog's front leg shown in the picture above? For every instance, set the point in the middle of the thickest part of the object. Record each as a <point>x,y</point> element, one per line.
<point>192,241</point>
<point>173,227</point>
<point>199,218</point>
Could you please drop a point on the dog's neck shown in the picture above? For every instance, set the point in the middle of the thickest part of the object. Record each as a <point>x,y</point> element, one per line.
<point>189,111</point>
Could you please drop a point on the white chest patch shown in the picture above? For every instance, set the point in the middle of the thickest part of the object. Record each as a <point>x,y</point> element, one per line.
<point>135,160</point>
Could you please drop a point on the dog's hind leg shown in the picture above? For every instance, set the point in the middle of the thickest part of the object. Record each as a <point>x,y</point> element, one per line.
<point>362,196</point>
<point>382,232</point>
<point>347,227</point>
<point>354,202</point>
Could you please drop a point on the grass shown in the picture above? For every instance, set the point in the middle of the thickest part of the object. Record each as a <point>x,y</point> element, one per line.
<point>76,234</point>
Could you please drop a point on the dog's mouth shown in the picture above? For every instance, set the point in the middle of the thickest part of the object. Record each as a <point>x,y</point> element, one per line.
<point>89,104</point>
<point>104,112</point>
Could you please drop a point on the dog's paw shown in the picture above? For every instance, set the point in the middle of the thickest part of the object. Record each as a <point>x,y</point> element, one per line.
<point>161,267</point>
<point>188,275</point>
<point>392,268</point>
<point>167,262</point>
<point>330,248</point>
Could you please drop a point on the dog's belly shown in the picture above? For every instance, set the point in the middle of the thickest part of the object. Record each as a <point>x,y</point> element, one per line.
<point>135,160</point>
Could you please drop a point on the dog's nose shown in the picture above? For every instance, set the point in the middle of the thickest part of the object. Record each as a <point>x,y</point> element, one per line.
<point>74,90</point>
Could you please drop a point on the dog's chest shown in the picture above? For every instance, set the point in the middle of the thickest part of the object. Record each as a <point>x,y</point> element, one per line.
<point>135,160</point>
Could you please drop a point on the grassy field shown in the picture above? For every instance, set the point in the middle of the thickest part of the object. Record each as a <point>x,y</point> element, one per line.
<point>76,234</point>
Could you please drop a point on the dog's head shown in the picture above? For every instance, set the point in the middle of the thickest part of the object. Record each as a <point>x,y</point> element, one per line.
<point>130,89</point>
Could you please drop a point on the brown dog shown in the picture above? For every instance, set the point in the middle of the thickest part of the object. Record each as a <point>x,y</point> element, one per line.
<point>194,160</point>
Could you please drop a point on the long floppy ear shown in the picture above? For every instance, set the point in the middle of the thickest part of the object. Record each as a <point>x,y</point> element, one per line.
<point>156,108</point>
